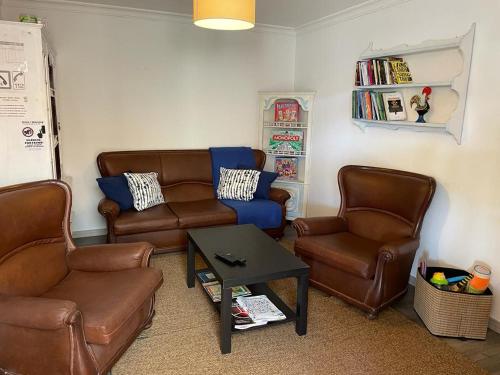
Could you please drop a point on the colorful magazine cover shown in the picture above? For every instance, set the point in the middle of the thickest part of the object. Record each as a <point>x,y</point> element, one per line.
<point>286,140</point>
<point>286,111</point>
<point>286,168</point>
<point>214,290</point>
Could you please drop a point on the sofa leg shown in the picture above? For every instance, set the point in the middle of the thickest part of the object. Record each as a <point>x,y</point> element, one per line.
<point>372,315</point>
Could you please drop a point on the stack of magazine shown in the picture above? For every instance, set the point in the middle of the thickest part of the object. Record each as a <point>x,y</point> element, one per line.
<point>255,311</point>
<point>213,288</point>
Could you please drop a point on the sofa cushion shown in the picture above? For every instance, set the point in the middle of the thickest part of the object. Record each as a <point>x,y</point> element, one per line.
<point>116,189</point>
<point>150,220</point>
<point>344,251</point>
<point>145,189</point>
<point>237,184</point>
<point>202,213</point>
<point>107,299</point>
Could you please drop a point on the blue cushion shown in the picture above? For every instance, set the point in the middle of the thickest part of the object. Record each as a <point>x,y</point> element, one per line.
<point>263,213</point>
<point>265,180</point>
<point>116,189</point>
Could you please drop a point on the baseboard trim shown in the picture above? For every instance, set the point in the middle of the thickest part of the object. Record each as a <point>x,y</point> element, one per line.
<point>89,233</point>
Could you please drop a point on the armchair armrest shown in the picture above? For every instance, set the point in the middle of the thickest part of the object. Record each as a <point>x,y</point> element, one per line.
<point>319,225</point>
<point>399,248</point>
<point>108,208</point>
<point>279,195</point>
<point>114,257</point>
<point>37,313</point>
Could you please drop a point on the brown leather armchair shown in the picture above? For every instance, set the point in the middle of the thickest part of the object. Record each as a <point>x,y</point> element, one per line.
<point>63,309</point>
<point>365,254</point>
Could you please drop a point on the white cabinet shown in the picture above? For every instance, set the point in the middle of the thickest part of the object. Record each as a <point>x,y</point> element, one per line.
<point>29,130</point>
<point>272,125</point>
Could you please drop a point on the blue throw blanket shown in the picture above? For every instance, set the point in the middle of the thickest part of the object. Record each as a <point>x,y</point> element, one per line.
<point>261,212</point>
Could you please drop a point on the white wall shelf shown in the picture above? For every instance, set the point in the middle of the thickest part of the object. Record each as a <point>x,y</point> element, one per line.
<point>404,86</point>
<point>298,189</point>
<point>395,125</point>
<point>430,59</point>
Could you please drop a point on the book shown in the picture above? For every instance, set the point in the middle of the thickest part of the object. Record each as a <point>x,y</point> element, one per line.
<point>214,290</point>
<point>206,276</point>
<point>368,103</point>
<point>286,168</point>
<point>369,113</point>
<point>286,140</point>
<point>400,71</point>
<point>394,106</point>
<point>286,111</point>
<point>260,308</point>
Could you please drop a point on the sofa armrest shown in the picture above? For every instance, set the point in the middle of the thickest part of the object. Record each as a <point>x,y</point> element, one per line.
<point>319,225</point>
<point>109,209</point>
<point>37,313</point>
<point>114,257</point>
<point>399,249</point>
<point>279,195</point>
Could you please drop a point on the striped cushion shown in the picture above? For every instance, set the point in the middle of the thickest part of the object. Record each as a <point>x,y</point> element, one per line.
<point>145,189</point>
<point>237,184</point>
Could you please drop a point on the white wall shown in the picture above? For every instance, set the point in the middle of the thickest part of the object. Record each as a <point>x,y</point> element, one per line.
<point>144,80</point>
<point>463,223</point>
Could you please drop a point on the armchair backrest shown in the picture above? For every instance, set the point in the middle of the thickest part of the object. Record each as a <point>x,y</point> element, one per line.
<point>384,204</point>
<point>34,237</point>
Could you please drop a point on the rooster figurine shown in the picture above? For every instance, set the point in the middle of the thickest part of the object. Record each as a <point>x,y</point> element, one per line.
<point>421,109</point>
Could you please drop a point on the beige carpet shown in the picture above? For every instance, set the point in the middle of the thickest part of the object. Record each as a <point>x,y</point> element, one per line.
<point>340,340</point>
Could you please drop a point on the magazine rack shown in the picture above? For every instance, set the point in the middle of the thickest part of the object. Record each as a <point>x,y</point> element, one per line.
<point>443,65</point>
<point>291,154</point>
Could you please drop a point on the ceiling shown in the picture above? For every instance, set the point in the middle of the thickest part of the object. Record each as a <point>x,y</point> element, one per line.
<point>289,13</point>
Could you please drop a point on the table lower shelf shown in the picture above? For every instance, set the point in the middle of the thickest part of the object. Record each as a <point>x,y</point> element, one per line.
<point>259,289</point>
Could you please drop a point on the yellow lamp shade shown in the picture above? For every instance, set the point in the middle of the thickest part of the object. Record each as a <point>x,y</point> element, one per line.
<point>224,14</point>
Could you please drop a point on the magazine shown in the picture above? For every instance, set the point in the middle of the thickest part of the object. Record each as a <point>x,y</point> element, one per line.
<point>260,308</point>
<point>286,168</point>
<point>242,320</point>
<point>206,276</point>
<point>214,290</point>
<point>286,140</point>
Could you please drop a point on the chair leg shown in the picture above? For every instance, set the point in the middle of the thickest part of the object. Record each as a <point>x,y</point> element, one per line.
<point>150,321</point>
<point>372,315</point>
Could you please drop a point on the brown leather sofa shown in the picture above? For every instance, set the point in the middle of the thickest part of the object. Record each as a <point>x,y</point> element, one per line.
<point>185,177</point>
<point>63,309</point>
<point>365,254</point>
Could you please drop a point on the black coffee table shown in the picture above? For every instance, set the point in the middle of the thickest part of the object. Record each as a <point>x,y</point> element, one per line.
<point>266,260</point>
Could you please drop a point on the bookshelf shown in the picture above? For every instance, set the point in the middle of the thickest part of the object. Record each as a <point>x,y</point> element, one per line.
<point>443,65</point>
<point>268,125</point>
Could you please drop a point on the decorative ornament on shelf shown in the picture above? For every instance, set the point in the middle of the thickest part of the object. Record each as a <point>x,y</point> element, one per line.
<point>420,108</point>
<point>224,14</point>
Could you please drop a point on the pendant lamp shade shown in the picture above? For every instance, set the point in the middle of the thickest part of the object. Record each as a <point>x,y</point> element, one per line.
<point>224,14</point>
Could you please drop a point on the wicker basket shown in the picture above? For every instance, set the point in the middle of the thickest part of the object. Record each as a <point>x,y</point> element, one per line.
<point>449,313</point>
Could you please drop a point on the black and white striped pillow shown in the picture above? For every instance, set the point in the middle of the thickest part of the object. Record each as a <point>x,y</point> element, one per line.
<point>145,190</point>
<point>237,184</point>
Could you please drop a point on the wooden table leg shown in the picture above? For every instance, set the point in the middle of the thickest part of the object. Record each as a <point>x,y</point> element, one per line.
<point>225,320</point>
<point>301,322</point>
<point>190,264</point>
